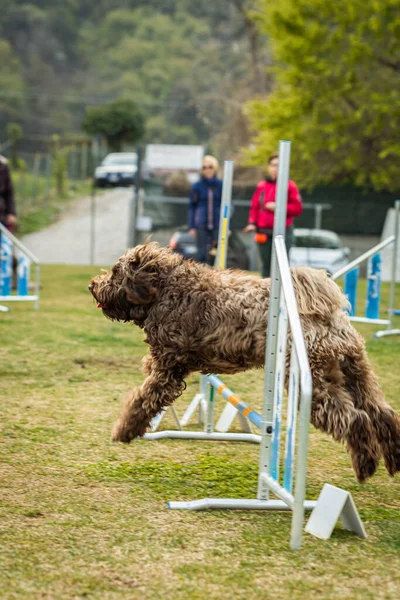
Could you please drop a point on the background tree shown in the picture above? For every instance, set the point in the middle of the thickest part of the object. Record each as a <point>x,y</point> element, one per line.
<point>12,87</point>
<point>119,122</point>
<point>14,133</point>
<point>182,62</point>
<point>337,90</point>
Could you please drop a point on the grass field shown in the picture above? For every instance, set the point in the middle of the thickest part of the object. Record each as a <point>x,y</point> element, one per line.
<point>83,518</point>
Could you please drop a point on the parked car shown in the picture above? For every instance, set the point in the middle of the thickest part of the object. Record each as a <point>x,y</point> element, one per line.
<point>117,168</point>
<point>237,258</point>
<point>318,248</point>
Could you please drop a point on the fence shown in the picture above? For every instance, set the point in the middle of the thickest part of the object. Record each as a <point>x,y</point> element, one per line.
<point>41,181</point>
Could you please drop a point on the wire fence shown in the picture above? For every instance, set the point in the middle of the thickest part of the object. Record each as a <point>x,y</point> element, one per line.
<point>39,180</point>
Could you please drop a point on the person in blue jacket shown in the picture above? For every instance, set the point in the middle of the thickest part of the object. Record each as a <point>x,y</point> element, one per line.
<point>204,209</point>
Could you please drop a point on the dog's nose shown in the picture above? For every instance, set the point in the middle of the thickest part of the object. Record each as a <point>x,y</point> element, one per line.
<point>91,286</point>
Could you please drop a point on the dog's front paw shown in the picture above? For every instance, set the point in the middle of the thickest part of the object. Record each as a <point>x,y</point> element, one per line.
<point>126,432</point>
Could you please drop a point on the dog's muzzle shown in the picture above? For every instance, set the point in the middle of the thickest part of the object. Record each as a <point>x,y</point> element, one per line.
<point>91,288</point>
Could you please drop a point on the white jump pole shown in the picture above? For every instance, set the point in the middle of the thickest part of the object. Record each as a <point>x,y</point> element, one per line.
<point>390,330</point>
<point>275,361</point>
<point>272,332</point>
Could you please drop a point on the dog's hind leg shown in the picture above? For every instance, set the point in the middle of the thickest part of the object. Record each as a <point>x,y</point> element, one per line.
<point>333,411</point>
<point>158,390</point>
<point>367,395</point>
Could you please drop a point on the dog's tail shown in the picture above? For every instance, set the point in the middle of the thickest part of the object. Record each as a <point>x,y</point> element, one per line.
<point>317,295</point>
<point>367,395</point>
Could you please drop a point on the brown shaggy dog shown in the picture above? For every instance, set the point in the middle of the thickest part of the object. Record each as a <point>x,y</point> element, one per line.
<point>197,318</point>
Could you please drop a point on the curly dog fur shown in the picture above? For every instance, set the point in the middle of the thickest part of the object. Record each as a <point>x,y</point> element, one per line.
<point>197,318</point>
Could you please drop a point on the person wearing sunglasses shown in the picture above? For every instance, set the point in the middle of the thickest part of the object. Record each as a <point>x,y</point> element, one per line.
<point>261,216</point>
<point>204,209</point>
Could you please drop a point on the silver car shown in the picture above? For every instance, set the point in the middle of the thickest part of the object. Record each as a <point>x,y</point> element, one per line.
<point>117,168</point>
<point>318,248</point>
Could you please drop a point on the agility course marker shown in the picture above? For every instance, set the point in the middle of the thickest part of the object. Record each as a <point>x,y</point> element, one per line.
<point>373,294</point>
<point>239,404</point>
<point>281,296</point>
<point>374,287</point>
<point>10,245</point>
<point>155,423</point>
<point>299,373</point>
<point>396,246</point>
<point>351,273</point>
<point>283,313</point>
<point>334,503</point>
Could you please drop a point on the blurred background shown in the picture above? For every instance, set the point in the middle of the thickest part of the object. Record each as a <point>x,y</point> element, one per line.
<point>84,80</point>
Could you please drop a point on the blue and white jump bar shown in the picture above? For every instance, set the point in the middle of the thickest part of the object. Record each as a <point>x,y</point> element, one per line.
<point>373,298</point>
<point>246,410</point>
<point>10,245</point>
<point>374,282</point>
<point>351,271</point>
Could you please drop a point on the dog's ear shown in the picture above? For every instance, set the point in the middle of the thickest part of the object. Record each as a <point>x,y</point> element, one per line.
<point>139,292</point>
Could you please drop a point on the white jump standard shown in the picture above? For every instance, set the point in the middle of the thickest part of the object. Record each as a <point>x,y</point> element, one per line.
<point>283,313</point>
<point>251,322</point>
<point>11,246</point>
<point>351,271</point>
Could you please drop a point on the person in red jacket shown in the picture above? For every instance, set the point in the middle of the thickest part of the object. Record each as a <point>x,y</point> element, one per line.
<point>261,216</point>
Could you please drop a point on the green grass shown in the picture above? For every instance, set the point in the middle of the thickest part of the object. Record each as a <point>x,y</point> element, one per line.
<point>83,518</point>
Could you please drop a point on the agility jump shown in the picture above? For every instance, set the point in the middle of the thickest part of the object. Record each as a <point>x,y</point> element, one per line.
<point>282,313</point>
<point>372,304</point>
<point>209,320</point>
<point>10,245</point>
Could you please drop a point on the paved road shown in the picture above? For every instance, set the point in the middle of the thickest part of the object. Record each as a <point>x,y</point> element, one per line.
<point>68,240</point>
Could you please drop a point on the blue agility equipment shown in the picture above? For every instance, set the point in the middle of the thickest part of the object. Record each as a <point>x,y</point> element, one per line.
<point>10,248</point>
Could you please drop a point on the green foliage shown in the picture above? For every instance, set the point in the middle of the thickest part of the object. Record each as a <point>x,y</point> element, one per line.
<point>337,90</point>
<point>11,82</point>
<point>60,165</point>
<point>185,64</point>
<point>119,122</point>
<point>14,133</point>
<point>131,60</point>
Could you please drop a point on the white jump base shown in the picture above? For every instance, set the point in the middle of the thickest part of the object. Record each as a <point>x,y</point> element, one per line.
<point>238,504</point>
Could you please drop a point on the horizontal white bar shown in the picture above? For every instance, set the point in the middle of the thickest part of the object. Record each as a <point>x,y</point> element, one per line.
<point>19,244</point>
<point>363,257</point>
<point>238,504</point>
<point>380,334</point>
<point>277,489</point>
<point>17,298</point>
<point>373,321</point>
<point>201,435</point>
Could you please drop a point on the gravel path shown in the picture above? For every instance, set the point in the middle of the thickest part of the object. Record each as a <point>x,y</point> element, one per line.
<point>68,240</point>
